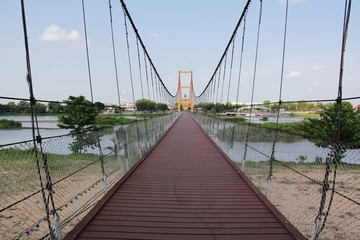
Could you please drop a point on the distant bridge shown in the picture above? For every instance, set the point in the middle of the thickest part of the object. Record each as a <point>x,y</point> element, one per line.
<point>255,108</point>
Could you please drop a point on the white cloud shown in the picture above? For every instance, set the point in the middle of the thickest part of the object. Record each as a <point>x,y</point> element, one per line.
<point>293,74</point>
<point>315,84</point>
<point>155,35</point>
<point>73,35</point>
<point>54,33</point>
<point>317,66</point>
<point>309,89</point>
<point>351,78</point>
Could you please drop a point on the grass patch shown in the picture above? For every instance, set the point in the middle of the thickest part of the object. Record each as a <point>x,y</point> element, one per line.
<point>292,127</point>
<point>255,133</point>
<point>9,124</point>
<point>305,115</point>
<point>146,114</point>
<point>15,154</point>
<point>232,119</point>
<point>123,119</point>
<point>111,120</point>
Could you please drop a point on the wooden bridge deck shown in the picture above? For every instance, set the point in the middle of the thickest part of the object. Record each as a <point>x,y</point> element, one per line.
<point>185,189</point>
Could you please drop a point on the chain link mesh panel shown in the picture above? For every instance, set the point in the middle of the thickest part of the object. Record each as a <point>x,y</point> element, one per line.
<point>21,210</point>
<point>298,178</point>
<point>81,171</point>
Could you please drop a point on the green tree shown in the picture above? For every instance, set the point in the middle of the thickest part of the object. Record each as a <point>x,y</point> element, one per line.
<point>13,107</point>
<point>99,106</point>
<point>162,107</point>
<point>319,106</point>
<point>267,103</point>
<point>219,107</point>
<point>55,107</point>
<point>4,108</point>
<point>325,129</point>
<point>23,107</point>
<point>275,107</point>
<point>145,105</point>
<point>80,117</point>
<point>229,106</point>
<point>206,106</point>
<point>40,108</point>
<point>238,105</point>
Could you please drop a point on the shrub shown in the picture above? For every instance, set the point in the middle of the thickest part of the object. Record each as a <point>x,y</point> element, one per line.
<point>7,124</point>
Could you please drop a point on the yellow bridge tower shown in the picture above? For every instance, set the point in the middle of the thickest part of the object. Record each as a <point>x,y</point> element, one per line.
<point>185,103</point>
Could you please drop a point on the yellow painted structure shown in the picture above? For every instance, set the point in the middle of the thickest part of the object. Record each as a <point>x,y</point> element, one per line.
<point>185,103</point>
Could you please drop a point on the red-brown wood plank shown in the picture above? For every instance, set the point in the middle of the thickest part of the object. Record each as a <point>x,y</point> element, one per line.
<point>160,236</point>
<point>186,188</point>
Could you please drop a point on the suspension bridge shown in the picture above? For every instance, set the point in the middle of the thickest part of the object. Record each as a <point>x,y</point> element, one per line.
<point>185,175</point>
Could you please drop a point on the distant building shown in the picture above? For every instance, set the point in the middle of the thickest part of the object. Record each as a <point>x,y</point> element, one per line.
<point>356,107</point>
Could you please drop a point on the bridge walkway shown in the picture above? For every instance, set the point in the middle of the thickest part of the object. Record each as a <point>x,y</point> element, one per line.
<point>185,188</point>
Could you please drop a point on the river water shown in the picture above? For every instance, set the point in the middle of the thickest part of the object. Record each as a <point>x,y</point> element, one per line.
<point>47,126</point>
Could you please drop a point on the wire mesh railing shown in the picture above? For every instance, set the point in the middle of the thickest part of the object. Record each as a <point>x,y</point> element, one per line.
<point>78,178</point>
<point>306,183</point>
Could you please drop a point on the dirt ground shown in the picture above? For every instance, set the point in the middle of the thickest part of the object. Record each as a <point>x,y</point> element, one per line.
<point>299,198</point>
<point>26,219</point>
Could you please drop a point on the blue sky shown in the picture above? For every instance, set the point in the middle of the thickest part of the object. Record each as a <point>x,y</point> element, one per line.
<point>179,35</point>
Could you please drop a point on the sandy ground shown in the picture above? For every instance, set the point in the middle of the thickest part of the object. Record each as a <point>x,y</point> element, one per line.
<point>298,199</point>
<point>27,218</point>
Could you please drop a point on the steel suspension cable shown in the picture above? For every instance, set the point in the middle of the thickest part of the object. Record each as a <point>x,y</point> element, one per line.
<point>283,60</point>
<point>344,38</point>
<point>319,226</point>
<point>211,93</point>
<point>272,158</point>
<point>141,82</point>
<point>92,95</point>
<point>129,58</point>
<point>218,86</point>
<point>240,63</point>
<point>253,86</point>
<point>210,90</point>
<point>228,92</point>
<point>116,72</point>
<point>152,83</point>
<point>87,51</point>
<point>37,139</point>
<point>231,67</point>
<point>223,79</point>
<point>214,88</point>
<point>227,46</point>
<point>123,5</point>
<point>114,55</point>
<point>160,93</point>
<point>156,89</point>
<point>255,63</point>
<point>147,76</point>
<point>26,99</point>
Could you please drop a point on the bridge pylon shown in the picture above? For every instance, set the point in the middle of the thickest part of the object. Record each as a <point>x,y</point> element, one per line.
<point>185,103</point>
